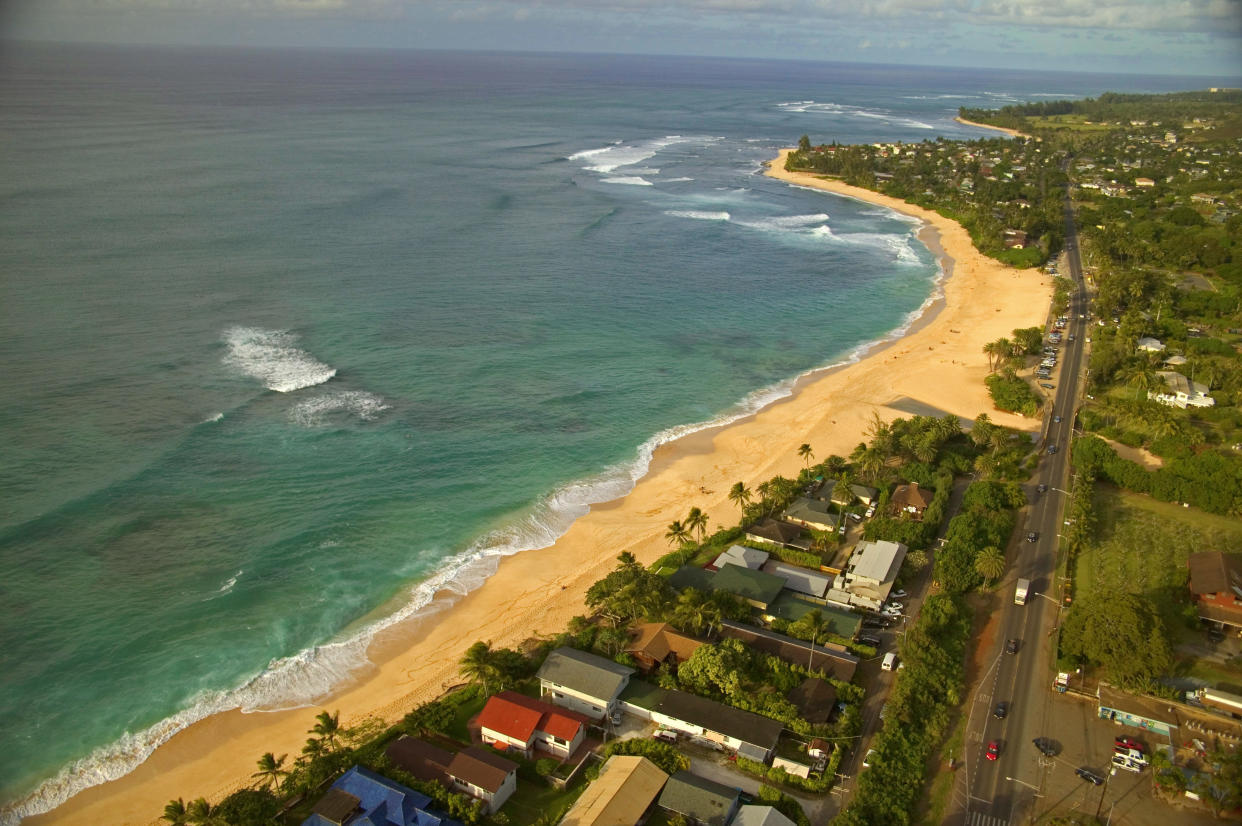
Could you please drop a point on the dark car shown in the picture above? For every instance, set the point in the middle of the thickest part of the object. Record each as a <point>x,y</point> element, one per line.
<point>1056,419</point>
<point>1001,710</point>
<point>1011,647</point>
<point>1041,488</point>
<point>1045,385</point>
<point>874,622</point>
<point>1052,449</point>
<point>1046,747</point>
<point>874,642</point>
<point>1090,776</point>
<point>1031,536</point>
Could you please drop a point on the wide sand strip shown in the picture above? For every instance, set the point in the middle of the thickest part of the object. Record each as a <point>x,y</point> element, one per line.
<point>939,363</point>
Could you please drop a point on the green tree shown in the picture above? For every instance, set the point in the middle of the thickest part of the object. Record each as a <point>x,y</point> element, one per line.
<point>176,813</point>
<point>990,563</point>
<point>695,611</point>
<point>804,143</point>
<point>696,521</point>
<point>270,772</point>
<point>677,533</point>
<point>478,665</point>
<point>328,727</point>
<point>804,450</point>
<point>739,495</point>
<point>1121,632</point>
<point>812,626</point>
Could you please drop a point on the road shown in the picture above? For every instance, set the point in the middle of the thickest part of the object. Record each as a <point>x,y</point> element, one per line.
<point>1007,790</point>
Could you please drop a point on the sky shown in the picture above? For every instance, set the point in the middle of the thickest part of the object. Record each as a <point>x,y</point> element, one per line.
<point>1175,37</point>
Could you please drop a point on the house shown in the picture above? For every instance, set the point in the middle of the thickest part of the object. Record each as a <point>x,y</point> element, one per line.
<point>362,797</point>
<point>706,721</point>
<point>658,643</point>
<point>483,775</point>
<point>830,658</point>
<point>1150,345</point>
<point>514,721</point>
<point>760,816</point>
<point>801,580</point>
<point>864,494</point>
<point>622,794</point>
<point>474,771</point>
<point>1148,182</point>
<point>1015,239</point>
<point>870,573</point>
<point>778,533</point>
<point>792,607</point>
<point>585,683</point>
<point>1181,391</point>
<point>814,698</point>
<point>701,801</point>
<point>1216,585</point>
<point>815,514</point>
<point>909,499</point>
<point>741,556</point>
<point>756,587</point>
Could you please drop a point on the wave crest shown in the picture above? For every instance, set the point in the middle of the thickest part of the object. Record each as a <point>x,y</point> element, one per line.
<point>272,357</point>
<point>315,411</point>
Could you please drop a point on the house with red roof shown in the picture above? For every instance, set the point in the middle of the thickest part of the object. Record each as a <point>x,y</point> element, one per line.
<point>512,721</point>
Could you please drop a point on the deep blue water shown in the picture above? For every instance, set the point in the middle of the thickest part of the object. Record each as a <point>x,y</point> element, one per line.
<point>288,336</point>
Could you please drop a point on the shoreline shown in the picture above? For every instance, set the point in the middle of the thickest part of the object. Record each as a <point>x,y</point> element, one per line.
<point>937,362</point>
<point>1013,133</point>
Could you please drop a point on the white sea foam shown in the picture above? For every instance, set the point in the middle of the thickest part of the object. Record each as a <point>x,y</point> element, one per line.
<point>315,411</point>
<point>628,181</point>
<point>272,357</point>
<point>698,214</point>
<point>676,180</point>
<point>607,159</point>
<point>214,417</point>
<point>829,108</point>
<point>227,586</point>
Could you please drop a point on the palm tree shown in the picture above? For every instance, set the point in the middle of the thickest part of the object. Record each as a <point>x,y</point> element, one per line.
<point>479,664</point>
<point>990,563</point>
<point>176,813</point>
<point>677,533</point>
<point>696,521</point>
<point>328,727</point>
<point>200,813</point>
<point>804,450</point>
<point>740,496</point>
<point>695,610</point>
<point>270,771</point>
<point>818,626</point>
<point>314,748</point>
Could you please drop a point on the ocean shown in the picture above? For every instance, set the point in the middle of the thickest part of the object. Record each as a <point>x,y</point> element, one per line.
<point>292,339</point>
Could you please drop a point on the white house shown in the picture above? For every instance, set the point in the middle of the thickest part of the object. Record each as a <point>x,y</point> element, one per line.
<point>869,573</point>
<point>479,773</point>
<point>1150,345</point>
<point>582,682</point>
<point>1181,392</point>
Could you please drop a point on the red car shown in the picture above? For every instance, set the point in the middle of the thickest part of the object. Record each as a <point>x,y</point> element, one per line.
<point>1127,743</point>
<point>993,750</point>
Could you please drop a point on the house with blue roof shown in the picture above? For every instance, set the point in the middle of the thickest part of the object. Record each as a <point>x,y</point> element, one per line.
<point>363,798</point>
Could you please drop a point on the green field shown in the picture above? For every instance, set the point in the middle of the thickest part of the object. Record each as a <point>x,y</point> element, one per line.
<point>1142,545</point>
<point>1074,123</point>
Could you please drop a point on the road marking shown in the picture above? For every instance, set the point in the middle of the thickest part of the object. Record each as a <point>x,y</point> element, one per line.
<point>980,819</point>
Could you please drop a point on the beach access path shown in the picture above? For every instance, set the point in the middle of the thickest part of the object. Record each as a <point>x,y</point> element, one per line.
<point>938,365</point>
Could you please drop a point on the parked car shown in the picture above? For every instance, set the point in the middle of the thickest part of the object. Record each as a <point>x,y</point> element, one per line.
<point>1128,743</point>
<point>899,593</point>
<point>897,606</point>
<point>874,642</point>
<point>993,750</point>
<point>875,622</point>
<point>890,611</point>
<point>1045,385</point>
<point>1090,776</point>
<point>1011,647</point>
<point>1001,710</point>
<point>866,764</point>
<point>665,734</point>
<point>1046,746</point>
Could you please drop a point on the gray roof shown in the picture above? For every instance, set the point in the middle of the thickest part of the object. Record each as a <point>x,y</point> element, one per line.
<point>875,560</point>
<point>699,798</point>
<point>585,673</point>
<point>743,556</point>
<point>802,580</point>
<point>760,816</point>
<point>745,726</point>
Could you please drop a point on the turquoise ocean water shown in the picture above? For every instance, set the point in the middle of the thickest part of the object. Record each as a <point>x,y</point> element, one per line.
<point>289,336</point>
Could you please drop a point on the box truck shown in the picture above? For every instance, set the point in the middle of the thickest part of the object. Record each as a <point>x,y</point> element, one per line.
<point>1019,594</point>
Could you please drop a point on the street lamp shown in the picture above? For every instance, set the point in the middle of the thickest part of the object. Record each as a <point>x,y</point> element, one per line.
<point>1024,783</point>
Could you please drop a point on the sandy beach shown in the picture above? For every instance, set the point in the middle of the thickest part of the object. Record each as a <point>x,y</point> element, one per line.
<point>1013,133</point>
<point>938,365</point>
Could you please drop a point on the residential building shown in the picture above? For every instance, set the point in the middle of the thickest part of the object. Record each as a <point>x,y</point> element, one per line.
<point>420,759</point>
<point>792,607</point>
<point>741,556</point>
<point>1216,585</point>
<point>701,801</point>
<point>514,721</point>
<point>814,698</point>
<point>585,683</point>
<point>481,774</point>
<point>778,533</point>
<point>760,816</point>
<point>910,500</point>
<point>714,724</point>
<point>799,579</point>
<point>623,794</point>
<point>1147,344</point>
<point>756,587</point>
<point>658,643</point>
<point>833,659</point>
<point>869,573</point>
<point>362,797</point>
<point>1181,391</point>
<point>815,514</point>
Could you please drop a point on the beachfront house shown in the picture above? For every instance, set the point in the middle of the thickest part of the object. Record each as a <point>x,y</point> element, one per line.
<point>700,801</point>
<point>476,771</point>
<point>623,795</point>
<point>654,644</point>
<point>362,797</point>
<point>705,721</point>
<point>1181,392</point>
<point>831,658</point>
<point>778,533</point>
<point>512,721</point>
<point>815,514</point>
<point>869,574</point>
<point>756,587</point>
<point>741,556</point>
<point>799,579</point>
<point>585,683</point>
<point>1216,585</point>
<point>910,500</point>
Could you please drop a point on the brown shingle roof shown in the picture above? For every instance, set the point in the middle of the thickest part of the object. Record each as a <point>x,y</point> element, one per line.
<point>1213,572</point>
<point>814,698</point>
<point>336,806</point>
<point>479,767</point>
<point>656,640</point>
<point>910,496</point>
<point>421,759</point>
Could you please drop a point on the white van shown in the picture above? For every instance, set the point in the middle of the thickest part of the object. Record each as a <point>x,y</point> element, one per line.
<point>889,662</point>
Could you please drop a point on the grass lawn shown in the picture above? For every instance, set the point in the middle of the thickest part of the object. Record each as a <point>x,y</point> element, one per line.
<point>1076,123</point>
<point>540,803</point>
<point>1141,547</point>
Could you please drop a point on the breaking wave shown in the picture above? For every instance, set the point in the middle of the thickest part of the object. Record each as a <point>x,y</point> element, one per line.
<point>272,357</point>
